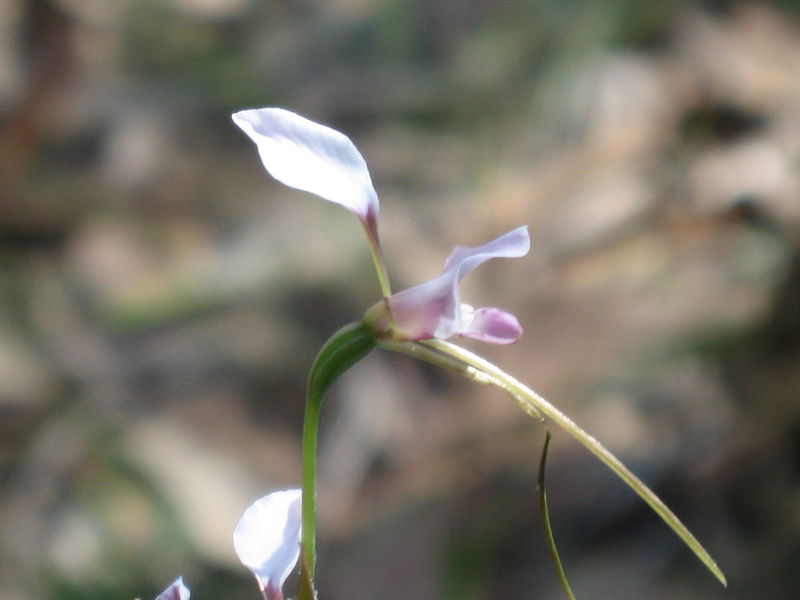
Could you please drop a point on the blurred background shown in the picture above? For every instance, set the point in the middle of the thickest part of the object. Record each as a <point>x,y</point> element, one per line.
<point>161,298</point>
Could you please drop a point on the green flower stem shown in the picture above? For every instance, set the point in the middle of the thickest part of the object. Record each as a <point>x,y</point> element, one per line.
<point>309,499</point>
<point>346,347</point>
<point>371,228</point>
<point>548,528</point>
<point>536,406</point>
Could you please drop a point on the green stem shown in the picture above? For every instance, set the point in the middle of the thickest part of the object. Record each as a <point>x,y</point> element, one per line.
<point>309,500</point>
<point>371,228</point>
<point>548,528</point>
<point>535,405</point>
<point>346,347</point>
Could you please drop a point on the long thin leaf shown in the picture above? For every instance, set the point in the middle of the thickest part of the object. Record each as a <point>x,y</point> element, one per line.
<point>536,406</point>
<point>548,528</point>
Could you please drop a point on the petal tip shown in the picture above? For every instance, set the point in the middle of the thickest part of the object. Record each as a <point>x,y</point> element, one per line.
<point>176,591</point>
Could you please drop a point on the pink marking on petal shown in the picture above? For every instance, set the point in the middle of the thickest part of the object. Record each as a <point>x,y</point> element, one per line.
<point>176,591</point>
<point>273,592</point>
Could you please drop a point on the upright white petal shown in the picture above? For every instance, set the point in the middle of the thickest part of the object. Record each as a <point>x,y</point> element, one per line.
<point>311,157</point>
<point>176,591</point>
<point>267,539</point>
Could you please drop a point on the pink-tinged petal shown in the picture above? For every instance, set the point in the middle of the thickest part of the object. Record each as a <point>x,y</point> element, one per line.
<point>267,539</point>
<point>433,309</point>
<point>419,312</point>
<point>176,591</point>
<point>514,244</point>
<point>311,157</point>
<point>490,325</point>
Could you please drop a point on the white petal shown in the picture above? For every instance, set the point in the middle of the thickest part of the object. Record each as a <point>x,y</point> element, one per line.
<point>176,591</point>
<point>267,537</point>
<point>311,157</point>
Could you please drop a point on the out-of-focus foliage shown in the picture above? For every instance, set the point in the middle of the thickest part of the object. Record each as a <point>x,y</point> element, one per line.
<point>161,299</point>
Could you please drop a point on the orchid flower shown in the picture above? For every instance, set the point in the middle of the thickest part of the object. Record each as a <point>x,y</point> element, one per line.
<point>418,321</point>
<point>434,310</point>
<point>315,158</point>
<point>176,591</point>
<point>267,540</point>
